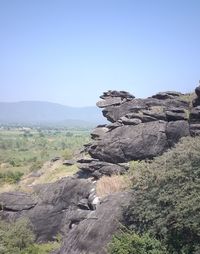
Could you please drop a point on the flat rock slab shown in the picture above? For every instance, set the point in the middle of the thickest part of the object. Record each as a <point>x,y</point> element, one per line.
<point>109,102</point>
<point>16,201</point>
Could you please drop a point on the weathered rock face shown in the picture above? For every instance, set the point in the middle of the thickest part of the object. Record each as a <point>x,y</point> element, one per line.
<point>93,233</point>
<point>16,201</point>
<point>97,168</point>
<point>129,142</point>
<point>48,205</point>
<point>141,128</point>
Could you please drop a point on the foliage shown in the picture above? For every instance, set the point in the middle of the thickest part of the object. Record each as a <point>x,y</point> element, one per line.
<point>16,236</point>
<point>10,177</point>
<point>26,151</point>
<point>166,199</point>
<point>44,248</point>
<point>131,243</point>
<point>67,154</point>
<point>35,166</point>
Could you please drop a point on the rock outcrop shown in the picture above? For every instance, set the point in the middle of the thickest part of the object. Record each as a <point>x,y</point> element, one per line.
<point>47,206</point>
<point>138,129</point>
<point>94,233</point>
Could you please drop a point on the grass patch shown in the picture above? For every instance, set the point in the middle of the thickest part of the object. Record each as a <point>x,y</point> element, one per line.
<point>56,174</point>
<point>110,184</point>
<point>10,177</point>
<point>23,152</point>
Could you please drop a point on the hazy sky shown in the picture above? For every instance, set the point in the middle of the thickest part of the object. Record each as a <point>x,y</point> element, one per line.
<point>70,51</point>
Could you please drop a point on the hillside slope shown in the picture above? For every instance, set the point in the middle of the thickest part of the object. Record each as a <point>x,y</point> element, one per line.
<point>34,112</point>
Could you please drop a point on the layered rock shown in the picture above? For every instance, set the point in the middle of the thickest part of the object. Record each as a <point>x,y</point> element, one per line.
<point>140,128</point>
<point>96,168</point>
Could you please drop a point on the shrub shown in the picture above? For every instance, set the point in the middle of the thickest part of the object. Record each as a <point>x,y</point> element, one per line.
<point>35,166</point>
<point>44,248</point>
<point>11,177</point>
<point>67,154</point>
<point>131,243</point>
<point>166,198</point>
<point>16,236</point>
<point>110,184</point>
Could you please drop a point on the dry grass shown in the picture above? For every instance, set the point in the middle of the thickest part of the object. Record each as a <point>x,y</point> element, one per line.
<point>110,184</point>
<point>156,109</point>
<point>7,187</point>
<point>189,97</point>
<point>56,174</point>
<point>51,172</point>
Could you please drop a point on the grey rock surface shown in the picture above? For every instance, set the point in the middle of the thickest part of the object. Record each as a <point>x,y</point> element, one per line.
<point>16,201</point>
<point>52,201</point>
<point>109,102</point>
<point>131,142</point>
<point>139,129</point>
<point>97,168</point>
<point>92,234</point>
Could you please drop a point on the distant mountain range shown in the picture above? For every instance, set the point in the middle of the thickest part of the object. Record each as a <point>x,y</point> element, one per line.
<point>47,113</point>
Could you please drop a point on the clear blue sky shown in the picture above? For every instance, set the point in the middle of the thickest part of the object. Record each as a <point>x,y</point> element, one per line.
<point>70,51</point>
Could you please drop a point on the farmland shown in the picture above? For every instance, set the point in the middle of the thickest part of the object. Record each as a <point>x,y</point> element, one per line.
<point>26,150</point>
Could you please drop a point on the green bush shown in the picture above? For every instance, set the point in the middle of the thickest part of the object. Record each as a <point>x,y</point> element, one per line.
<point>67,154</point>
<point>44,248</point>
<point>166,200</point>
<point>131,243</point>
<point>35,166</point>
<point>11,177</point>
<point>16,236</point>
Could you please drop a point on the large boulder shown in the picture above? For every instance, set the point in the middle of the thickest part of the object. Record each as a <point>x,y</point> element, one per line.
<point>176,130</point>
<point>92,234</point>
<point>131,142</point>
<point>16,201</point>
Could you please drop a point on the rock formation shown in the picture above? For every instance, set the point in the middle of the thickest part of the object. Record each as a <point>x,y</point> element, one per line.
<point>138,129</point>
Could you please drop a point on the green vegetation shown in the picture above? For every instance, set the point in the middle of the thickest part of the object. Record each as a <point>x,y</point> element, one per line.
<point>10,177</point>
<point>25,150</point>
<point>18,237</point>
<point>15,237</point>
<point>130,243</point>
<point>166,201</point>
